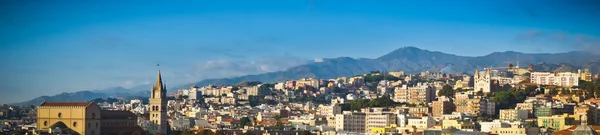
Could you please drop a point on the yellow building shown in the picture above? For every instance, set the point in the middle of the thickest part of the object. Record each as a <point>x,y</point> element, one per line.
<point>84,118</point>
<point>556,122</point>
<point>462,125</point>
<point>380,130</point>
<point>514,130</point>
<point>80,117</point>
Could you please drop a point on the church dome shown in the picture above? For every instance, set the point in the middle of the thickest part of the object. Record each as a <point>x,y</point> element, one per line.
<point>584,129</point>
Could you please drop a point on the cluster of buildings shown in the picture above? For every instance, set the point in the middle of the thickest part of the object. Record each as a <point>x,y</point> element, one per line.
<point>324,106</point>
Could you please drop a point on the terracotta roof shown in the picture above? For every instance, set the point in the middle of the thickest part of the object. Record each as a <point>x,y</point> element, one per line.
<point>109,114</point>
<point>66,103</point>
<point>231,121</point>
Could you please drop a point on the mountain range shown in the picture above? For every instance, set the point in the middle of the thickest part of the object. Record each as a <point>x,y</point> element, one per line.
<point>408,59</point>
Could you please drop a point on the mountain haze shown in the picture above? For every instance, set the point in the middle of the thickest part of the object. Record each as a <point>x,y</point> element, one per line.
<point>408,59</point>
<point>414,60</point>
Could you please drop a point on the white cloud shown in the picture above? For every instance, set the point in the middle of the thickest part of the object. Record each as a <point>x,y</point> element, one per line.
<point>223,68</point>
<point>319,60</point>
<point>127,84</point>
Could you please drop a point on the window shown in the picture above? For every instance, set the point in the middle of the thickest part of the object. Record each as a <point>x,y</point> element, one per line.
<point>59,115</point>
<point>93,115</point>
<point>74,124</point>
<point>45,123</point>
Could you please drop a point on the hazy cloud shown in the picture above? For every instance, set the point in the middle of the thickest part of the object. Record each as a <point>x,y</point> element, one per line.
<point>319,60</point>
<point>223,68</point>
<point>561,39</point>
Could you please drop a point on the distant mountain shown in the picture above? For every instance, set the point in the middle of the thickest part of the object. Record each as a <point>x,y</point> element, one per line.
<point>80,96</point>
<point>414,60</point>
<point>408,59</point>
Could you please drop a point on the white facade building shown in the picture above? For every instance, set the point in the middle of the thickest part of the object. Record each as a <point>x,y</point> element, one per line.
<point>564,79</point>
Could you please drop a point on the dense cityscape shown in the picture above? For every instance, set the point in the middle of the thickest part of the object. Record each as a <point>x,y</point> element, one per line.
<point>501,101</point>
<point>300,67</point>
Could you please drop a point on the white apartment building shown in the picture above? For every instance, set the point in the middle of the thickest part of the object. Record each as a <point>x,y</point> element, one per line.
<point>401,94</point>
<point>379,119</point>
<point>564,79</point>
<point>350,122</point>
<point>194,94</point>
<point>421,123</point>
<point>488,126</point>
<point>330,110</point>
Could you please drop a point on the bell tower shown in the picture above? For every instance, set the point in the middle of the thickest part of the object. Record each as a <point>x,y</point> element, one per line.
<point>158,107</point>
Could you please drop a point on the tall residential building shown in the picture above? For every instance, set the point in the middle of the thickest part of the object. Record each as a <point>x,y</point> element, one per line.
<point>419,94</point>
<point>401,94</point>
<point>564,79</point>
<point>350,122</point>
<point>378,119</point>
<point>194,93</point>
<point>441,107</point>
<point>158,107</point>
<point>474,106</point>
<point>258,90</point>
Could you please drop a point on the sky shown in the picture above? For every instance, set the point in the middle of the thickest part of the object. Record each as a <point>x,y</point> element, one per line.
<point>49,47</point>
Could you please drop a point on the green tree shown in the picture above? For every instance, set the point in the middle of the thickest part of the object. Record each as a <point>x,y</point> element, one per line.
<point>553,92</point>
<point>565,91</point>
<point>505,100</point>
<point>479,93</point>
<point>279,124</point>
<point>245,121</point>
<point>446,91</point>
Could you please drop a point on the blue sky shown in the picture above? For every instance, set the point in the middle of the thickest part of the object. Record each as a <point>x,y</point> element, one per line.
<point>49,47</point>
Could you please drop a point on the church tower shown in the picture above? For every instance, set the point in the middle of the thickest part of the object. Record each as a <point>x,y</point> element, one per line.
<point>158,107</point>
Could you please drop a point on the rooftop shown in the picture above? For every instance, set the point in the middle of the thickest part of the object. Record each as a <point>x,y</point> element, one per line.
<point>83,104</point>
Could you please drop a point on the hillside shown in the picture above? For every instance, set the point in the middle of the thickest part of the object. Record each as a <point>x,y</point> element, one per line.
<point>408,59</point>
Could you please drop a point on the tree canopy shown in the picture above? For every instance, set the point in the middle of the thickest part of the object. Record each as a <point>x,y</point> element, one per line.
<point>446,91</point>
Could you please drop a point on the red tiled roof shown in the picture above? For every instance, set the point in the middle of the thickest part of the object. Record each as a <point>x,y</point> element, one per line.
<point>66,103</point>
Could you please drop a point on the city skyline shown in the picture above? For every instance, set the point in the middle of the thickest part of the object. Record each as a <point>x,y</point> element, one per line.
<point>54,47</point>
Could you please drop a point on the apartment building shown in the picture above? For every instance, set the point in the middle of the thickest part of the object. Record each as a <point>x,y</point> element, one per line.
<point>258,90</point>
<point>419,94</point>
<point>513,114</point>
<point>379,120</point>
<point>464,125</point>
<point>421,123</point>
<point>475,106</point>
<point>441,107</point>
<point>564,79</point>
<point>350,122</point>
